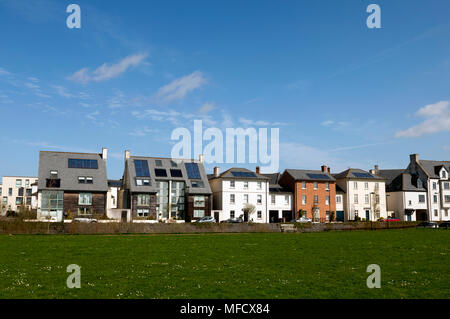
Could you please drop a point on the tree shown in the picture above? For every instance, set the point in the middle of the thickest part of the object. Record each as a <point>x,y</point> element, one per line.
<point>248,209</point>
<point>332,216</point>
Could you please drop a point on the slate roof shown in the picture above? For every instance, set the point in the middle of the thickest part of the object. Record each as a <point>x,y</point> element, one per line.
<point>302,175</point>
<point>228,174</point>
<point>350,174</point>
<point>115,182</point>
<point>273,178</point>
<point>339,189</point>
<point>274,187</point>
<point>58,161</point>
<point>400,180</point>
<point>432,168</point>
<point>166,164</point>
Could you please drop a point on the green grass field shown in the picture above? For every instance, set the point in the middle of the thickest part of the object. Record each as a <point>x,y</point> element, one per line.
<point>415,263</point>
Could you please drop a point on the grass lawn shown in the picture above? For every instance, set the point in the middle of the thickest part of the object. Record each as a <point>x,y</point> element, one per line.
<point>415,263</point>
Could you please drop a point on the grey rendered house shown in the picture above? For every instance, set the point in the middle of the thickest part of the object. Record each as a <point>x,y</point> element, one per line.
<point>165,189</point>
<point>72,185</point>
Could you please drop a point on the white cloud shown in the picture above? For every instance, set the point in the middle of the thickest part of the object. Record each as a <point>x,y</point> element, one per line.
<point>327,123</point>
<point>62,91</point>
<point>174,117</point>
<point>206,108</point>
<point>249,122</point>
<point>179,88</point>
<point>4,72</point>
<point>107,72</point>
<point>140,132</point>
<point>437,119</point>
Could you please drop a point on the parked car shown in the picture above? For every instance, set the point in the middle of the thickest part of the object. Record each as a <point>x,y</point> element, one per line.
<point>444,225</point>
<point>84,220</point>
<point>303,220</point>
<point>428,225</point>
<point>390,220</point>
<point>206,219</point>
<point>234,220</point>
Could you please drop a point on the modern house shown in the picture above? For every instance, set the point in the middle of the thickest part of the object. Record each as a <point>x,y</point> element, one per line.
<point>237,188</point>
<point>280,201</point>
<point>340,209</point>
<point>72,185</point>
<point>314,192</point>
<point>406,196</point>
<point>365,195</point>
<point>165,189</point>
<point>434,177</point>
<point>16,192</point>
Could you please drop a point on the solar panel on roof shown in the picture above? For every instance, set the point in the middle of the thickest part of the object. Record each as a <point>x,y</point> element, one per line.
<point>243,174</point>
<point>192,170</point>
<point>160,172</point>
<point>318,176</point>
<point>176,173</point>
<point>363,175</point>
<point>83,163</point>
<point>141,167</point>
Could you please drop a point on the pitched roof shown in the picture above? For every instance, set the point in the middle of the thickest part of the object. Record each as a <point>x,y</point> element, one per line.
<point>59,161</point>
<point>356,173</point>
<point>432,168</point>
<point>115,182</point>
<point>389,174</point>
<point>339,189</point>
<point>310,175</point>
<point>169,168</point>
<point>400,180</point>
<point>241,174</point>
<point>273,178</point>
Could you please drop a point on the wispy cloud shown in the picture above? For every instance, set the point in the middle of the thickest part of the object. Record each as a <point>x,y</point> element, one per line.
<point>62,91</point>
<point>174,117</point>
<point>436,119</point>
<point>4,72</point>
<point>206,108</point>
<point>140,132</point>
<point>179,88</point>
<point>106,72</point>
<point>250,122</point>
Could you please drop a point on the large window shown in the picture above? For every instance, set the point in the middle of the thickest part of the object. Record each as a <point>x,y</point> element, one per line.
<point>19,200</point>
<point>29,192</point>
<point>143,212</point>
<point>141,168</point>
<point>199,213</point>
<point>85,199</point>
<point>162,199</point>
<point>197,184</point>
<point>327,186</point>
<point>52,200</point>
<point>199,201</point>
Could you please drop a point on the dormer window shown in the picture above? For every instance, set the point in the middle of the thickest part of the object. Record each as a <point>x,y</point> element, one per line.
<point>419,183</point>
<point>444,174</point>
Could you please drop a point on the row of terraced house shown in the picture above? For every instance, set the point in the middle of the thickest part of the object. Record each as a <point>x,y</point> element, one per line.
<point>154,189</point>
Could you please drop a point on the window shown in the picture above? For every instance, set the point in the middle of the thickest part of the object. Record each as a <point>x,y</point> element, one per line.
<point>447,198</point>
<point>231,213</point>
<point>259,185</point>
<point>232,184</point>
<point>338,199</point>
<point>20,191</point>
<point>303,199</point>
<point>19,200</point>
<point>89,180</point>
<point>327,186</point>
<point>232,199</point>
<point>377,199</point>
<point>303,185</point>
<point>18,183</point>
<point>419,183</point>
<point>85,199</point>
<point>259,199</point>
<point>409,203</point>
<point>272,199</point>
<point>245,198</point>
<point>366,199</point>
<point>199,201</point>
<point>53,183</point>
<point>446,185</point>
<point>199,213</point>
<point>355,199</point>
<point>143,199</point>
<point>446,213</point>
<point>176,173</point>
<point>52,200</point>
<point>355,185</point>
<point>192,170</point>
<point>316,185</point>
<point>158,163</point>
<point>83,163</point>
<point>27,182</point>
<point>421,198</point>
<point>377,185</point>
<point>327,200</point>
<point>54,174</point>
<point>81,180</point>
<point>29,192</point>
<point>5,200</point>
<point>245,185</point>
<point>444,174</point>
<point>316,199</point>
<point>143,212</point>
<point>434,185</point>
<point>197,184</point>
<point>160,172</point>
<point>366,185</point>
<point>259,214</point>
<point>141,168</point>
<point>139,182</point>
<point>435,213</point>
<point>10,192</point>
<point>86,211</point>
<point>286,199</point>
<point>328,215</point>
<point>435,199</point>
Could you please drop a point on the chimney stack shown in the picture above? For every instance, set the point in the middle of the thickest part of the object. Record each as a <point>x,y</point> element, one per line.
<point>258,170</point>
<point>324,168</point>
<point>104,153</point>
<point>216,171</point>
<point>414,158</point>
<point>376,170</point>
<point>201,158</point>
<point>329,170</point>
<point>127,154</point>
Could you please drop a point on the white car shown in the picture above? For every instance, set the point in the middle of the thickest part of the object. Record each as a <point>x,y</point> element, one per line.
<point>303,220</point>
<point>84,220</point>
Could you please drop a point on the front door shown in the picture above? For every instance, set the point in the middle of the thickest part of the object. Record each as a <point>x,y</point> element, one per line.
<point>216,216</point>
<point>124,216</point>
<point>367,214</point>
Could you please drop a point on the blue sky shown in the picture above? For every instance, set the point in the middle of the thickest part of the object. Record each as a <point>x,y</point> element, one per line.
<point>342,94</point>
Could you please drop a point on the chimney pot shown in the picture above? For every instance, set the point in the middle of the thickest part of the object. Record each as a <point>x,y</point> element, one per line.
<point>104,153</point>
<point>324,168</point>
<point>201,158</point>
<point>329,170</point>
<point>127,154</point>
<point>258,170</point>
